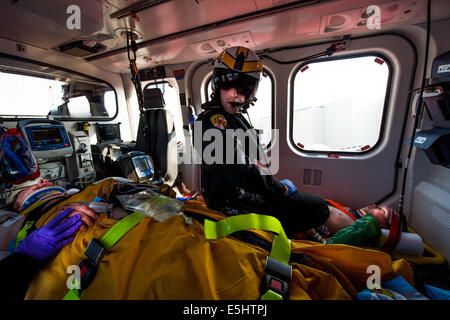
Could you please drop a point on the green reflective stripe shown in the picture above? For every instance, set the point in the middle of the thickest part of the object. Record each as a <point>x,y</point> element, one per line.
<point>225,227</point>
<point>73,294</point>
<point>109,240</point>
<point>23,233</point>
<point>271,295</point>
<point>120,229</point>
<point>281,246</point>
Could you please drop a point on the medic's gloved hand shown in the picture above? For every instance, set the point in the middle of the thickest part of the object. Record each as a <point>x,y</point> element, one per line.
<point>192,118</point>
<point>290,186</point>
<point>44,242</point>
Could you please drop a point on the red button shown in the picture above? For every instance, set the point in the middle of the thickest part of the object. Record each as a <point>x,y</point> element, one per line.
<point>66,144</point>
<point>83,270</point>
<point>276,284</point>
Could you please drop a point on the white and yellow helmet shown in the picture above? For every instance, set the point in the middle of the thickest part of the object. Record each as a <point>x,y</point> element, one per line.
<point>239,68</point>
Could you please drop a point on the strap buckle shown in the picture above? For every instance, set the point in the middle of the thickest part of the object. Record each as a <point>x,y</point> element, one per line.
<point>278,275</point>
<point>88,267</point>
<point>87,273</point>
<point>95,251</point>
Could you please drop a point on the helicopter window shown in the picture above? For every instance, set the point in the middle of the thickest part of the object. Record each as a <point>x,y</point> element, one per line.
<point>79,105</point>
<point>338,104</point>
<point>32,89</point>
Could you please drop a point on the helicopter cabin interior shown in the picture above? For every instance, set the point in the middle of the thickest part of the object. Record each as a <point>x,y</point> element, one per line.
<point>352,105</point>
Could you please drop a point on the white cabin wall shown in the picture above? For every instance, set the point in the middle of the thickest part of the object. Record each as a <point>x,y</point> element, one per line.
<point>132,105</point>
<point>427,198</point>
<point>187,169</point>
<point>356,180</point>
<point>196,75</point>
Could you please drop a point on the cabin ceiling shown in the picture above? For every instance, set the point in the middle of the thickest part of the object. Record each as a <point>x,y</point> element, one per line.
<point>178,31</point>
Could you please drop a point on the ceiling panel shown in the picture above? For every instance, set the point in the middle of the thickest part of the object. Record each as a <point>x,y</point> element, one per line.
<point>43,23</point>
<point>169,31</point>
<point>177,15</point>
<point>264,4</point>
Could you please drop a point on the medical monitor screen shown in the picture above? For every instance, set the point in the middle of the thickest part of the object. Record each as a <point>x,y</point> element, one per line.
<point>46,136</point>
<point>142,164</point>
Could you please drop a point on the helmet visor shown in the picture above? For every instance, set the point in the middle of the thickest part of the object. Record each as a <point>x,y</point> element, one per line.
<point>243,83</point>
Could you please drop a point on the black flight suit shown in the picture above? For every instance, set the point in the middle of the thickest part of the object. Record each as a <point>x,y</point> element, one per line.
<point>241,188</point>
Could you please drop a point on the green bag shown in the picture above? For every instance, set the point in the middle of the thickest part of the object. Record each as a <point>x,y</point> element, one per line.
<point>360,232</point>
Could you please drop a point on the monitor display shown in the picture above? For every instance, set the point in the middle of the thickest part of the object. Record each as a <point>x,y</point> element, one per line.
<point>46,136</point>
<point>142,164</point>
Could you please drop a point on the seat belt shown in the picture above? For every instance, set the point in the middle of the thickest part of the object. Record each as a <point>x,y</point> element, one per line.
<point>96,250</point>
<point>274,285</point>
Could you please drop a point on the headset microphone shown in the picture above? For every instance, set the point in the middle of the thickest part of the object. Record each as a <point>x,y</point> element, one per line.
<point>244,105</point>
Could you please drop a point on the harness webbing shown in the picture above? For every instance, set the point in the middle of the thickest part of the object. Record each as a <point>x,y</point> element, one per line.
<point>108,241</point>
<point>120,229</point>
<point>23,233</point>
<point>342,208</point>
<point>281,246</point>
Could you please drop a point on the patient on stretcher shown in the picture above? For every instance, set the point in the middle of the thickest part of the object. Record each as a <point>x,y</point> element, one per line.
<point>149,243</point>
<point>12,220</point>
<point>342,217</point>
<point>44,195</point>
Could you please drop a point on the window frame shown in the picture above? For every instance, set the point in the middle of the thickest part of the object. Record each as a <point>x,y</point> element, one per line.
<point>272,81</point>
<point>205,87</point>
<point>62,118</point>
<point>383,117</point>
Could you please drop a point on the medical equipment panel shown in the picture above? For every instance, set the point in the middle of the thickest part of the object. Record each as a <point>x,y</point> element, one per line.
<point>80,165</point>
<point>47,138</point>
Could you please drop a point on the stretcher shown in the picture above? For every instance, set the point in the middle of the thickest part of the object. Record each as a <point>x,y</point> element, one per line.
<point>175,259</point>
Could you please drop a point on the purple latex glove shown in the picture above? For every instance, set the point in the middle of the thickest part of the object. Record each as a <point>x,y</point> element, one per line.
<point>44,242</point>
<point>290,186</point>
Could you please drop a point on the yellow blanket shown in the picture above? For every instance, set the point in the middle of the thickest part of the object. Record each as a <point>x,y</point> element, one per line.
<point>173,260</point>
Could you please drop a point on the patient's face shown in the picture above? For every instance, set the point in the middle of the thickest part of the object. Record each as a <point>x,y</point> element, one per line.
<point>24,194</point>
<point>381,214</point>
